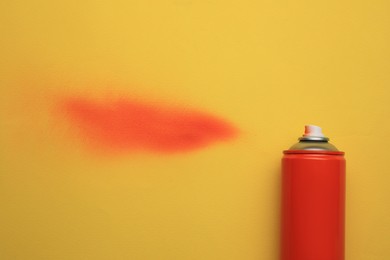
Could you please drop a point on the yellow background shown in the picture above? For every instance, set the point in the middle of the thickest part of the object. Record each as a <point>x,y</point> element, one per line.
<point>270,67</point>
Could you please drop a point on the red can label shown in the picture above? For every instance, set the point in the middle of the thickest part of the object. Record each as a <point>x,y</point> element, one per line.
<point>313,202</point>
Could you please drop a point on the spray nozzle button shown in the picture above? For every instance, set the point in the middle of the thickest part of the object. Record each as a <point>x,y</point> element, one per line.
<point>313,131</point>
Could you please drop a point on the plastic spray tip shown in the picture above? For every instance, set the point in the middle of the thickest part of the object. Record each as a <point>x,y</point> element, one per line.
<point>313,130</point>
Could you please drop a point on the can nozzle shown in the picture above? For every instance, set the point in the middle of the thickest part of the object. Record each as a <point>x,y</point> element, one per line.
<point>313,139</point>
<point>313,131</point>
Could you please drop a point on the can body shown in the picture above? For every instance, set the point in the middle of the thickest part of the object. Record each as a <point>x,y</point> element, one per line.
<point>313,205</point>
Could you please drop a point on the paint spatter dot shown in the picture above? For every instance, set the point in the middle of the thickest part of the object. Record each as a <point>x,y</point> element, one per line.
<point>129,125</point>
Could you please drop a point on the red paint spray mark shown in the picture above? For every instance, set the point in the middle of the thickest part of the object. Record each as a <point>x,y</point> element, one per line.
<point>124,125</point>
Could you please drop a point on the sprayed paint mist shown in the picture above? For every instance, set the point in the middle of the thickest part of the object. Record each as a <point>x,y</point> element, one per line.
<point>129,125</point>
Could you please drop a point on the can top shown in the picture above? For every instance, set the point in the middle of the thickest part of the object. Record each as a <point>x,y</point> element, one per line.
<point>313,141</point>
<point>313,133</point>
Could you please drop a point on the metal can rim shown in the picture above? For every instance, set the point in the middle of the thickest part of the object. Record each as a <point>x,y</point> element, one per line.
<point>313,152</point>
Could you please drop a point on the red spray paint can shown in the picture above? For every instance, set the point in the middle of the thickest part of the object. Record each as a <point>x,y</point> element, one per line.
<point>313,199</point>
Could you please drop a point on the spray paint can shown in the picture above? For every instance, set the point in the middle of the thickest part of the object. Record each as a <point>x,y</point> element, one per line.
<point>313,199</point>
